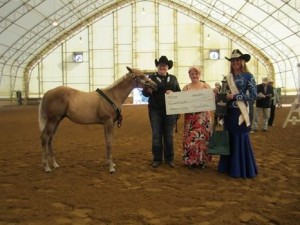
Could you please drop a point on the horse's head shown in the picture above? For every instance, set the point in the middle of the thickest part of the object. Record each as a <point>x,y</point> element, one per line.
<point>141,79</point>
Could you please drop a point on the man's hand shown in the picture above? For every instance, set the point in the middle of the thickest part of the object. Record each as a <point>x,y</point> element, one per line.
<point>261,95</point>
<point>148,90</point>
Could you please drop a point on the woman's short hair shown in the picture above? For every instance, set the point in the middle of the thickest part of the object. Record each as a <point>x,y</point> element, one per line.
<point>197,68</point>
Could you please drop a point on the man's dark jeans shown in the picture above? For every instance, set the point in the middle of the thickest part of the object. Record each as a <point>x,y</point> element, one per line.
<point>162,135</point>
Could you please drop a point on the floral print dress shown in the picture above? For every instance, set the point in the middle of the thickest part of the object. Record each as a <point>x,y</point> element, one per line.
<point>197,131</point>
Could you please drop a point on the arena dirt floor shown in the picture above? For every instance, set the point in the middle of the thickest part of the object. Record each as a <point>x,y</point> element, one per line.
<point>83,192</point>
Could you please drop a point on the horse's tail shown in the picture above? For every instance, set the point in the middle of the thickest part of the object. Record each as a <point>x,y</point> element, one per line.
<point>42,116</point>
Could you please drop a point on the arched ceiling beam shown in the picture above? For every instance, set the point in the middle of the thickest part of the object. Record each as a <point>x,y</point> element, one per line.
<point>173,4</point>
<point>195,13</point>
<point>195,10</point>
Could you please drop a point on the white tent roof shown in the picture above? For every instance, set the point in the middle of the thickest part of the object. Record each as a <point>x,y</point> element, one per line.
<point>270,29</point>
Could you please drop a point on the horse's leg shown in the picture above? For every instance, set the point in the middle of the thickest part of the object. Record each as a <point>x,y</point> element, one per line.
<point>46,138</point>
<point>108,131</point>
<point>50,147</point>
<point>51,154</point>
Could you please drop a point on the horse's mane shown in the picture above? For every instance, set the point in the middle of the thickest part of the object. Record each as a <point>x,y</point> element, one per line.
<point>116,82</point>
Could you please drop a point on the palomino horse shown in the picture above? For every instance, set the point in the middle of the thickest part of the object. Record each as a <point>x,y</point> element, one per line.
<point>98,107</point>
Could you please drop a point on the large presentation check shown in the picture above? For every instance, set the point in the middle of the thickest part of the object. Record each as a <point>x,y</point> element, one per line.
<point>190,101</point>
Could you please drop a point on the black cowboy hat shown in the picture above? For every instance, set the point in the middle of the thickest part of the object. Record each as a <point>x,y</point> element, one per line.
<point>237,54</point>
<point>164,60</point>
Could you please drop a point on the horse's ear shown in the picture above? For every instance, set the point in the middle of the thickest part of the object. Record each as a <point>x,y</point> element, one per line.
<point>129,69</point>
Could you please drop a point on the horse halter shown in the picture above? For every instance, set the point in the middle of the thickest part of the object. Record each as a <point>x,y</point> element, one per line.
<point>138,80</point>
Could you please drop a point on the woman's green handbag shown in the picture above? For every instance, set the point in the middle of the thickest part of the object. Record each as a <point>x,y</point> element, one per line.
<point>219,141</point>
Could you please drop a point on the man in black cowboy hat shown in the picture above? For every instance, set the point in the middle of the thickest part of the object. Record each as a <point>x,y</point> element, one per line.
<point>162,124</point>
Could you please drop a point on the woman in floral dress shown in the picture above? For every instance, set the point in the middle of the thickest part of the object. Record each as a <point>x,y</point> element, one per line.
<point>197,127</point>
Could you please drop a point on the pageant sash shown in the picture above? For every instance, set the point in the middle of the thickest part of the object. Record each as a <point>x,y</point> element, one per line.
<point>242,106</point>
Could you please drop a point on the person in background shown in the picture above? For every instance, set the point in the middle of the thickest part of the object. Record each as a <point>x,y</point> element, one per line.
<point>263,104</point>
<point>252,111</point>
<point>274,101</point>
<point>241,161</point>
<point>217,87</point>
<point>19,97</point>
<point>197,127</point>
<point>162,124</point>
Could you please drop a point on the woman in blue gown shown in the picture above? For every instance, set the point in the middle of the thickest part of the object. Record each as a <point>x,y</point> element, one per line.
<point>242,90</point>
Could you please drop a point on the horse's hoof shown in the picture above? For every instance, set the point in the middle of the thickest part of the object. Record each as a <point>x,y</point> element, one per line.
<point>47,170</point>
<point>55,165</point>
<point>112,169</point>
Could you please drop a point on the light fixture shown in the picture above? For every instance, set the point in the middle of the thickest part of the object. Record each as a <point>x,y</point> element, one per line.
<point>54,23</point>
<point>80,40</point>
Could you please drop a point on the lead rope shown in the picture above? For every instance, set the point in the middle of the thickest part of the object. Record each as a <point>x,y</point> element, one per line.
<point>117,110</point>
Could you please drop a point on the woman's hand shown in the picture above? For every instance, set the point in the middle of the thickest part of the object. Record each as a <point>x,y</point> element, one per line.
<point>169,92</point>
<point>216,91</point>
<point>229,96</point>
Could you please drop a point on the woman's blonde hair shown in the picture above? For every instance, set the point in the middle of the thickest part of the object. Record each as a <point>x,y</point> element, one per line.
<point>197,68</point>
<point>244,67</point>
